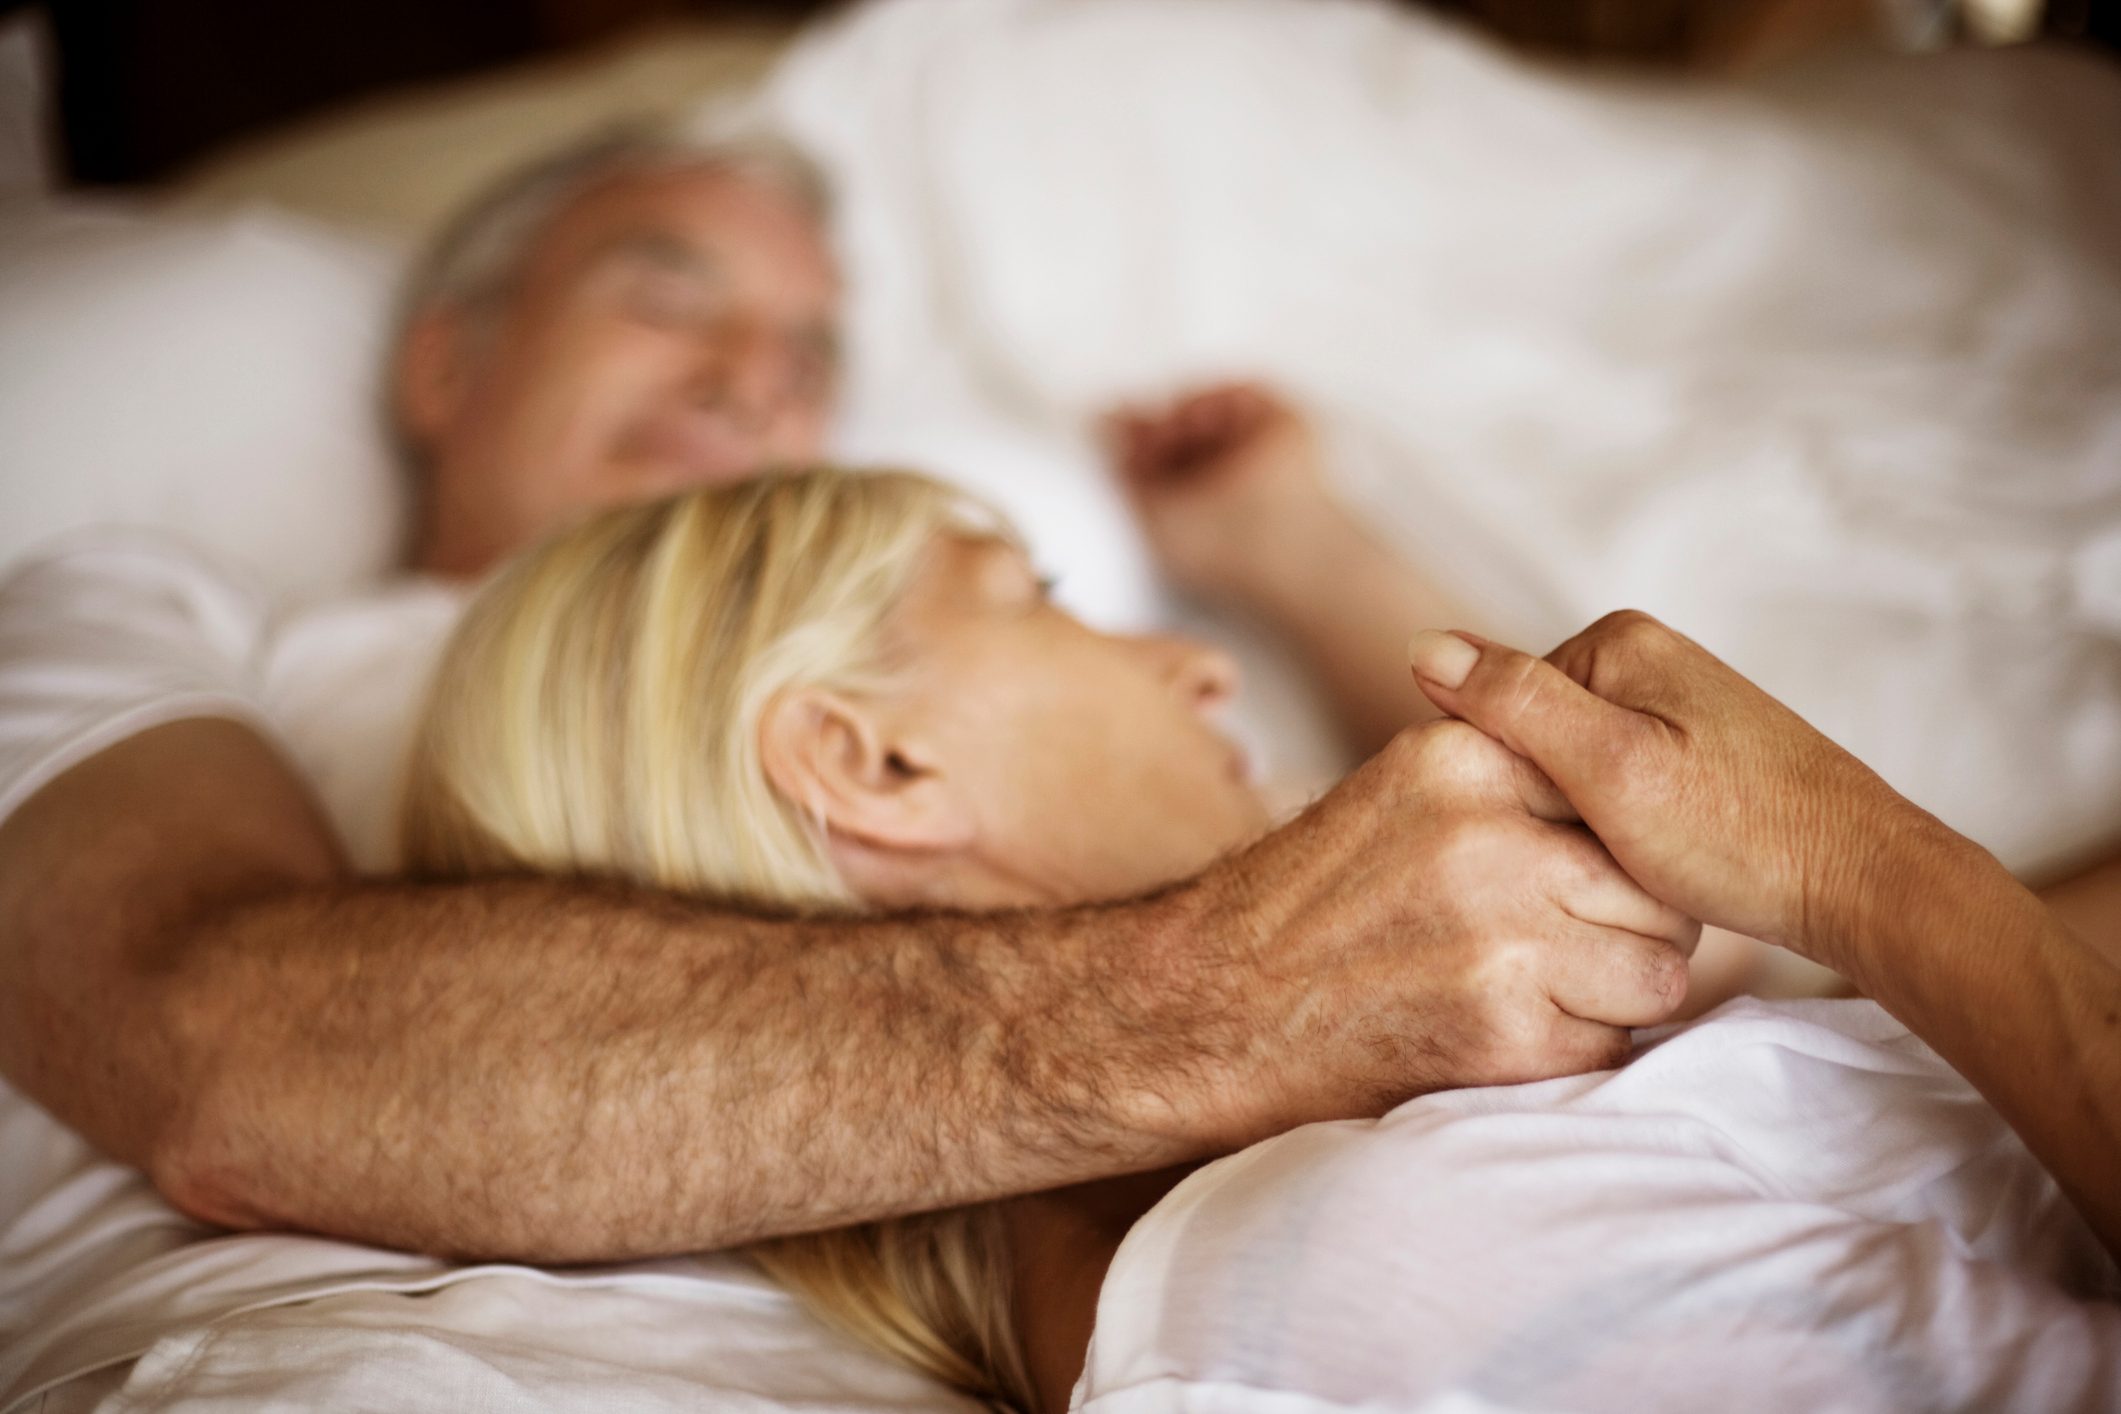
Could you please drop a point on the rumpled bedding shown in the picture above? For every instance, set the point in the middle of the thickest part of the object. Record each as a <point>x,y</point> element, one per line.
<point>1784,1206</point>
<point>1824,370</point>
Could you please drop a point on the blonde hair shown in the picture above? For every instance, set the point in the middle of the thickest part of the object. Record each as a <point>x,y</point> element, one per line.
<point>598,712</point>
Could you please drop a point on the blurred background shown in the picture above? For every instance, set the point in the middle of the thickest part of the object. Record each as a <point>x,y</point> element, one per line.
<point>145,88</point>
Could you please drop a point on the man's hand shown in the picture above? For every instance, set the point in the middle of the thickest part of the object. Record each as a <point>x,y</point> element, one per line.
<point>1230,487</point>
<point>1710,792</point>
<point>1225,481</point>
<point>1435,921</point>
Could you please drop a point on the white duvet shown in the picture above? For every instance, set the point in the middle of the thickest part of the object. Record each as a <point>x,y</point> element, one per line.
<point>1827,371</point>
<point>1787,1206</point>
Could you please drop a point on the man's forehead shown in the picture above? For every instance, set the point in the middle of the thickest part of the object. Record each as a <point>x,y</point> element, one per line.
<point>706,216</point>
<point>702,200</point>
<point>653,245</point>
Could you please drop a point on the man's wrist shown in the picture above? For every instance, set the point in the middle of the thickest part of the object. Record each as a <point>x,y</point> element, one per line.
<point>1281,581</point>
<point>1204,1093</point>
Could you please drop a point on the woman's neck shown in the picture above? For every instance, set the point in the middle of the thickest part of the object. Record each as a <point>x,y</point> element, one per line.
<point>1060,1247</point>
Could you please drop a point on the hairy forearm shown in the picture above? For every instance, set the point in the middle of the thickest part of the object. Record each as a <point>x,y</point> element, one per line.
<point>566,1072</point>
<point>560,1070</point>
<point>1976,966</point>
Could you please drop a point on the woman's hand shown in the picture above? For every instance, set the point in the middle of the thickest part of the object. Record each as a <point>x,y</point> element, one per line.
<point>1228,483</point>
<point>1718,798</point>
<point>1723,803</point>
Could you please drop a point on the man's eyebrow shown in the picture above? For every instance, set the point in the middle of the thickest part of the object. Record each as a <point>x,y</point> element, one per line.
<point>666,252</point>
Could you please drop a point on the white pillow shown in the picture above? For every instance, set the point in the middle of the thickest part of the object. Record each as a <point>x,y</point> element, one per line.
<point>687,1336</point>
<point>216,378</point>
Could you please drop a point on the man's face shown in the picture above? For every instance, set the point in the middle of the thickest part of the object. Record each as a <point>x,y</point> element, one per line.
<point>666,329</point>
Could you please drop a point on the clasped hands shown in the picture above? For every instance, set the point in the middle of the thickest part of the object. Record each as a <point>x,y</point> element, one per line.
<point>1500,904</point>
<point>1712,795</point>
<point>1441,919</point>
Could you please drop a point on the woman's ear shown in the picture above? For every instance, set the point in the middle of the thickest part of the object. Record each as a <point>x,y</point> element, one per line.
<point>838,763</point>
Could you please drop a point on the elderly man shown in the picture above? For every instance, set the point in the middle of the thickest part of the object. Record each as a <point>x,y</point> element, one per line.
<point>206,970</point>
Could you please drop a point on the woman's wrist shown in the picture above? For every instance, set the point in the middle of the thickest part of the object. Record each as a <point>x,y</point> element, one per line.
<point>1917,888</point>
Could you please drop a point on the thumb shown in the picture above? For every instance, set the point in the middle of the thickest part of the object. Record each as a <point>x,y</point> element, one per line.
<point>1526,703</point>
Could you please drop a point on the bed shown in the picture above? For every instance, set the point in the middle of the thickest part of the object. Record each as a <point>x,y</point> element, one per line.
<point>1825,369</point>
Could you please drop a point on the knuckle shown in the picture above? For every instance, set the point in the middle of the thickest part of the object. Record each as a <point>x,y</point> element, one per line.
<point>1403,752</point>
<point>1625,621</point>
<point>1501,964</point>
<point>1463,753</point>
<point>1665,976</point>
<point>1465,852</point>
<point>1509,974</point>
<point>1637,632</point>
<point>1445,749</point>
<point>1442,753</point>
<point>1506,972</point>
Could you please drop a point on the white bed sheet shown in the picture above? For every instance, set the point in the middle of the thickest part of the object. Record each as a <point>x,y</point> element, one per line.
<point>707,1336</point>
<point>1785,1206</point>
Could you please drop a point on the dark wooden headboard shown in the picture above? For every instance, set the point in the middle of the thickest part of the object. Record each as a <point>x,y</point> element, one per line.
<point>146,86</point>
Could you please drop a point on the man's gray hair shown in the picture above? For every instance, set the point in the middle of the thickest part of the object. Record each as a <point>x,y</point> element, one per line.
<point>480,253</point>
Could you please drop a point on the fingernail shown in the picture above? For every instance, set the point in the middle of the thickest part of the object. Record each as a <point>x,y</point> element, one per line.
<point>1443,658</point>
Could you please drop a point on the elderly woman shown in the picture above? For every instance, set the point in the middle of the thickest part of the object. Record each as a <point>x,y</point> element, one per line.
<point>837,691</point>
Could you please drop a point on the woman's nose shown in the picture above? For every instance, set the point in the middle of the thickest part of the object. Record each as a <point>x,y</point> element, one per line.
<point>1206,677</point>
